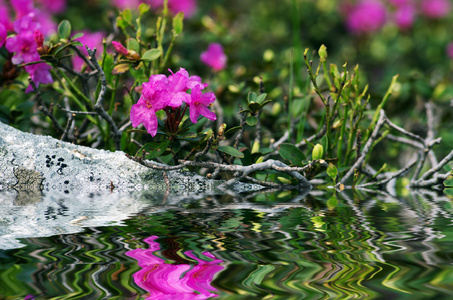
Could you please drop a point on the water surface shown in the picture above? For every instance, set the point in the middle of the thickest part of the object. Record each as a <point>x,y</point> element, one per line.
<point>277,245</point>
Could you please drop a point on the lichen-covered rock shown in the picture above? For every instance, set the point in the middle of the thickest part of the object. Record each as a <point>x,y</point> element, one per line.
<point>32,163</point>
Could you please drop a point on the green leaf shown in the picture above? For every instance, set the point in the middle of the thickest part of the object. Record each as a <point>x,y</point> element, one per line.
<point>64,29</point>
<point>449,192</point>
<point>332,203</point>
<point>77,35</point>
<point>194,138</point>
<point>232,130</point>
<point>143,8</point>
<point>231,151</point>
<point>139,74</point>
<point>175,146</point>
<point>254,107</point>
<point>256,147</point>
<point>137,130</point>
<point>75,43</point>
<point>121,23</point>
<point>178,23</point>
<point>153,149</point>
<point>251,120</point>
<point>132,44</point>
<point>332,171</point>
<point>108,68</point>
<point>127,15</point>
<point>120,69</point>
<point>448,182</point>
<point>186,124</point>
<point>265,102</point>
<point>291,153</point>
<point>297,107</point>
<point>261,97</point>
<point>447,167</point>
<point>151,54</point>
<point>244,110</point>
<point>284,180</point>
<point>252,97</point>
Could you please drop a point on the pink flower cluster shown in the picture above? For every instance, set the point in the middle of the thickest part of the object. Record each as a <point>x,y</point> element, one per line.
<point>214,57</point>
<point>368,16</point>
<point>168,281</point>
<point>162,92</point>
<point>28,26</point>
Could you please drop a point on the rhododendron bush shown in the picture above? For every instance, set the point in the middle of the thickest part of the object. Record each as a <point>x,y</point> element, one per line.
<point>220,86</point>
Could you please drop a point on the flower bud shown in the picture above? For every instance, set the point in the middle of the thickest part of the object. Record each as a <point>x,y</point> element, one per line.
<point>318,152</point>
<point>119,48</point>
<point>132,55</point>
<point>322,52</point>
<point>39,38</point>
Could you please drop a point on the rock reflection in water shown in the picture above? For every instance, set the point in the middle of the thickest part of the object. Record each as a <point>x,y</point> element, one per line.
<point>174,281</point>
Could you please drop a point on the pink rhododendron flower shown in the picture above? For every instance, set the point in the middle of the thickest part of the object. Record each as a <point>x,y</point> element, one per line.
<point>5,19</point>
<point>54,6</point>
<point>168,281</point>
<point>188,7</point>
<point>166,93</point>
<point>179,83</point>
<point>123,4</point>
<point>22,7</point>
<point>35,20</point>
<point>405,16</point>
<point>153,98</point>
<point>119,48</point>
<point>27,23</point>
<point>3,34</point>
<point>400,3</point>
<point>435,8</point>
<point>214,57</point>
<point>40,73</point>
<point>199,103</point>
<point>450,50</point>
<point>182,81</point>
<point>366,16</point>
<point>47,24</point>
<point>24,47</point>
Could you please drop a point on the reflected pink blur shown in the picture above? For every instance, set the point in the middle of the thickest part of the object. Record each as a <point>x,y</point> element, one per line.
<point>170,281</point>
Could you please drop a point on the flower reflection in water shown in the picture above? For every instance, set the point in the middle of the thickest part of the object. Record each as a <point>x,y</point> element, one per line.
<point>168,281</point>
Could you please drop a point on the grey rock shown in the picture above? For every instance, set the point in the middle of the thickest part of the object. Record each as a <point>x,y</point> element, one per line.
<point>32,163</point>
<point>32,214</point>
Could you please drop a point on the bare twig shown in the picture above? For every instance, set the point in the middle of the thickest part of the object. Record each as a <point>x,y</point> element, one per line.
<point>423,154</point>
<point>390,177</point>
<point>366,149</point>
<point>404,140</point>
<point>241,172</point>
<point>68,126</point>
<point>241,131</point>
<point>98,107</point>
<point>43,107</point>
<point>205,150</point>
<point>404,131</point>
<point>75,112</point>
<point>83,56</point>
<point>434,169</point>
